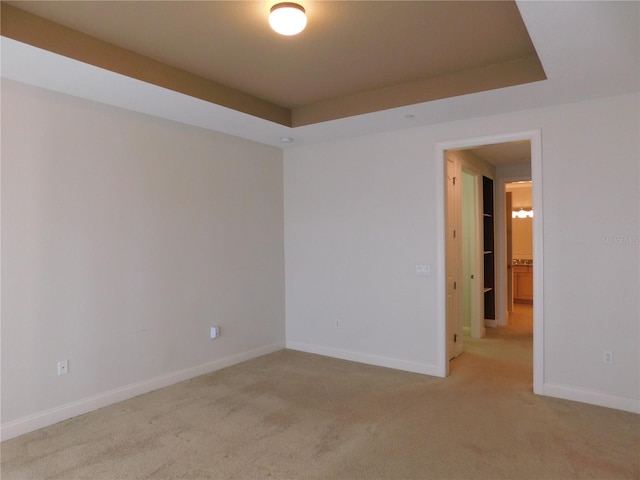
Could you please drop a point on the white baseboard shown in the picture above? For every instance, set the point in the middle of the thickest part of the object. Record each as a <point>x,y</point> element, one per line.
<point>415,367</point>
<point>592,397</point>
<point>490,323</point>
<point>63,412</point>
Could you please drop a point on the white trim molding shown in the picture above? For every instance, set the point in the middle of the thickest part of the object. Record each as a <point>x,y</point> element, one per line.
<point>367,358</point>
<point>54,415</point>
<point>592,397</point>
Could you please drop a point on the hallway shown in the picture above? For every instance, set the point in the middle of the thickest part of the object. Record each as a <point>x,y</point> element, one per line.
<point>503,356</point>
<point>520,321</point>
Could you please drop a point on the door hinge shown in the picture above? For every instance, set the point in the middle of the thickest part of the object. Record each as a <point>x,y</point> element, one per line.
<point>455,338</point>
<point>454,234</point>
<point>454,180</point>
<point>455,285</point>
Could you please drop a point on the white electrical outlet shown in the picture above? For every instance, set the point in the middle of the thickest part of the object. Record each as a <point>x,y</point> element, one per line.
<point>63,367</point>
<point>607,357</point>
<point>215,332</point>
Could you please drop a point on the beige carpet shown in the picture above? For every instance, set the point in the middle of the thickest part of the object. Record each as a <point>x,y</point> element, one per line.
<point>291,415</point>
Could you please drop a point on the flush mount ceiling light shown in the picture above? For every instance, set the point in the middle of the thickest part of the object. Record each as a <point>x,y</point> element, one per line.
<point>287,18</point>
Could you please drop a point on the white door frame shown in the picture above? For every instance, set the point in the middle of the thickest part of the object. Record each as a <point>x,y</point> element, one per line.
<point>535,137</point>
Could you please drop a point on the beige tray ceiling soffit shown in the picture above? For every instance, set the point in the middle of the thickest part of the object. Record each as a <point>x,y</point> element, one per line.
<point>353,57</point>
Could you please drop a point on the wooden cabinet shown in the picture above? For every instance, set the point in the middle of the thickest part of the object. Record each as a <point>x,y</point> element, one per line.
<point>522,284</point>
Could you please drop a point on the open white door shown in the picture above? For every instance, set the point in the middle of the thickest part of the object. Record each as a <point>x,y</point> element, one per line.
<point>453,308</point>
<point>472,253</point>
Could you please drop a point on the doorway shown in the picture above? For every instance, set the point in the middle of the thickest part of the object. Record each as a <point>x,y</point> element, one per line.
<point>519,242</point>
<point>449,278</point>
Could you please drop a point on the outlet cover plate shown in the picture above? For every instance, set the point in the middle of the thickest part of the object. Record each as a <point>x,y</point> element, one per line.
<point>63,367</point>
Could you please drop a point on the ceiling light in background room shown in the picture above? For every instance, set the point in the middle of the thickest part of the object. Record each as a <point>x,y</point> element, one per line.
<point>287,18</point>
<point>522,213</point>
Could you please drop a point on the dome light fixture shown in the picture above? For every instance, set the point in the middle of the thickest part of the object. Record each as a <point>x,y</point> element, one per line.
<point>287,18</point>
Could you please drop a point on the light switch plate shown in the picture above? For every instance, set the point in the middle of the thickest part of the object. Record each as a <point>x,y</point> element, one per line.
<point>423,270</point>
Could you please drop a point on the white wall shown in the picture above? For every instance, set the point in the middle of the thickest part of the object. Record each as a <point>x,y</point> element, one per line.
<point>521,195</point>
<point>124,237</point>
<point>519,171</point>
<point>522,238</point>
<point>360,213</point>
<point>357,221</point>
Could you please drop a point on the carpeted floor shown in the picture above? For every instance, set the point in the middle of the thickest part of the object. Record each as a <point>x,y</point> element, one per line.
<point>291,415</point>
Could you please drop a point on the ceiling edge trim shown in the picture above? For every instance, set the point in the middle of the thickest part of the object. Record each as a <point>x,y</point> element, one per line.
<point>39,32</point>
<point>489,77</point>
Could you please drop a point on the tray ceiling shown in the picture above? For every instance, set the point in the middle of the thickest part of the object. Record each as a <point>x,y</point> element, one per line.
<point>354,57</point>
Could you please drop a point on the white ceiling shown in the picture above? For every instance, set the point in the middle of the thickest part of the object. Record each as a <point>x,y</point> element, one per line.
<point>588,50</point>
<point>511,153</point>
